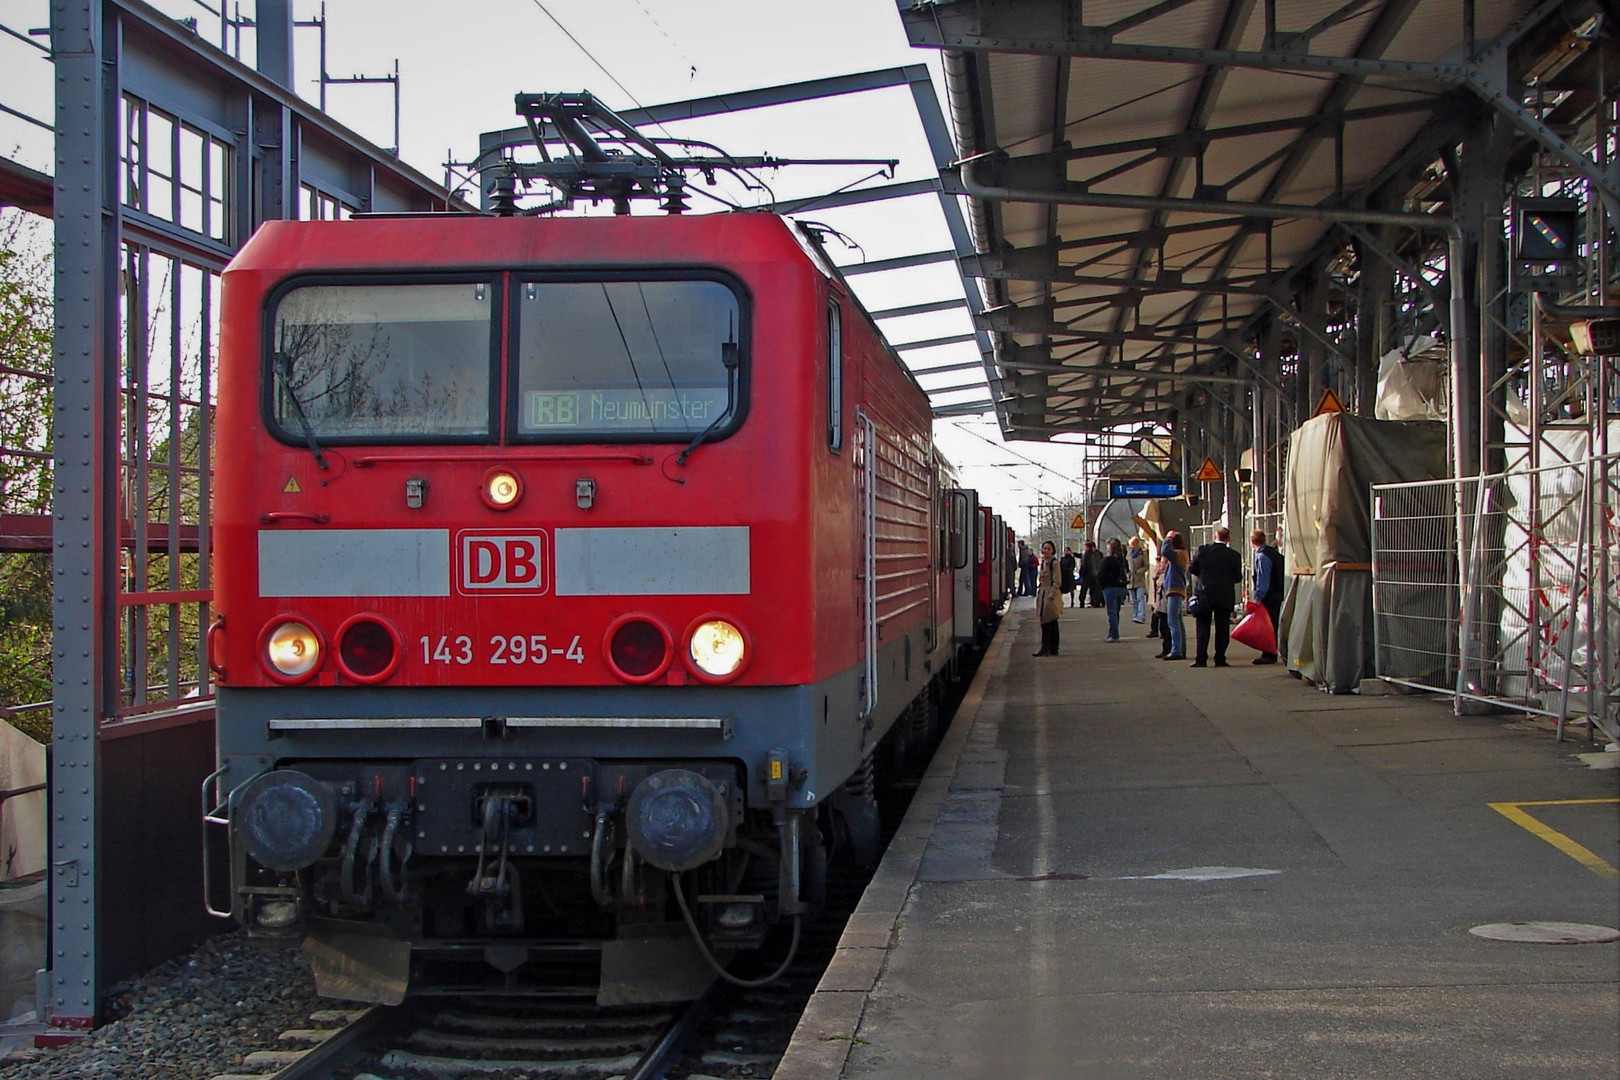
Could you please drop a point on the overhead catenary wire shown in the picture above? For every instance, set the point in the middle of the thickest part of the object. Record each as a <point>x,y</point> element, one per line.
<point>580,45</point>
<point>1009,450</point>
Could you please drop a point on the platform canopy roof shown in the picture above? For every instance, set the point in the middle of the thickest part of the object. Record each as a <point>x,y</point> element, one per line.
<point>1146,179</point>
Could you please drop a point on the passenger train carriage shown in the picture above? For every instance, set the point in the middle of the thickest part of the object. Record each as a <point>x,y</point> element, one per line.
<point>570,574</point>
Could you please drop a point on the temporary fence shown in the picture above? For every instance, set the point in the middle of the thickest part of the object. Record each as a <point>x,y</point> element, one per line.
<point>1500,589</point>
<point>1199,535</point>
<point>1271,525</point>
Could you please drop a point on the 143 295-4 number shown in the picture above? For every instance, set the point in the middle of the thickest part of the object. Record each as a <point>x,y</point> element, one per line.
<point>504,649</point>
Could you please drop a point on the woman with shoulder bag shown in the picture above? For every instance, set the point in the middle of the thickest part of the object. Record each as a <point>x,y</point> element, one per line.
<point>1138,560</point>
<point>1173,558</point>
<point>1048,599</point>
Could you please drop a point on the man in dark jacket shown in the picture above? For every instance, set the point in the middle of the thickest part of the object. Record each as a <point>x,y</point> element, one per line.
<point>1090,567</point>
<point>1268,586</point>
<point>1219,570</point>
<point>1066,573</point>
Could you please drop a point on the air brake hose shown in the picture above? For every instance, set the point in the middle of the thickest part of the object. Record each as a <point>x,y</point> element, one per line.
<point>385,872</point>
<point>708,957</point>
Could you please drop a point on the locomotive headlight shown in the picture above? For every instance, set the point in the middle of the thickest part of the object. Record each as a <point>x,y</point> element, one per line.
<point>292,649</point>
<point>717,648</point>
<point>501,489</point>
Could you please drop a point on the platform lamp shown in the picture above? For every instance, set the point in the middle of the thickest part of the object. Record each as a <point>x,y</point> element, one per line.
<point>1595,337</point>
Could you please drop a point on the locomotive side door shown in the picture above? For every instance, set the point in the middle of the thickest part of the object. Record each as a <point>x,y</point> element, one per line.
<point>964,555</point>
<point>866,549</point>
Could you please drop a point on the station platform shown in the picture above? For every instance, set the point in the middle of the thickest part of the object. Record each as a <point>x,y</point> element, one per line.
<point>1120,867</point>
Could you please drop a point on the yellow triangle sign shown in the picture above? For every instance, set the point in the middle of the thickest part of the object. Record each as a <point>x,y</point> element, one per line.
<point>1208,473</point>
<point>1079,522</point>
<point>1330,403</point>
<point>292,487</point>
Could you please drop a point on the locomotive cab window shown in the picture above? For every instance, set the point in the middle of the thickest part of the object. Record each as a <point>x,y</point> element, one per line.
<point>635,360</point>
<point>394,362</point>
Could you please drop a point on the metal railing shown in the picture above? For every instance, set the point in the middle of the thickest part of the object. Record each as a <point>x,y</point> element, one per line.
<point>1499,589</point>
<point>1271,524</point>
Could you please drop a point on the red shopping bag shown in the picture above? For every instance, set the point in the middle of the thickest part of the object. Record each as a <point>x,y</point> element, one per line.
<point>1255,630</point>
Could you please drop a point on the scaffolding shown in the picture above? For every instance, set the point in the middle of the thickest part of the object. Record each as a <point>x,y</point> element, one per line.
<point>1521,614</point>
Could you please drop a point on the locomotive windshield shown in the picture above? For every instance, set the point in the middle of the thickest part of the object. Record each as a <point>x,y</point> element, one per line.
<point>384,362</point>
<point>410,361</point>
<point>625,359</point>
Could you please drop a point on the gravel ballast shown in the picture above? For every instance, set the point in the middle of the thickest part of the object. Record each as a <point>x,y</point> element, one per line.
<point>195,1016</point>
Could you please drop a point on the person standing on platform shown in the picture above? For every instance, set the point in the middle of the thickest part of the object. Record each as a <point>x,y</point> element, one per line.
<point>1137,561</point>
<point>1113,579</point>
<point>1026,576</point>
<point>1090,566</point>
<point>1066,569</point>
<point>1156,623</point>
<point>1173,565</point>
<point>1220,571</point>
<point>1268,587</point>
<point>1048,599</point>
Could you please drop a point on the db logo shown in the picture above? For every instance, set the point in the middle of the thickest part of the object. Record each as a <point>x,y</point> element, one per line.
<point>502,562</point>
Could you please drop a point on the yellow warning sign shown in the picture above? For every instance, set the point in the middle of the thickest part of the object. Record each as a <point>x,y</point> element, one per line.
<point>292,487</point>
<point>1079,522</point>
<point>1208,473</point>
<point>1330,403</point>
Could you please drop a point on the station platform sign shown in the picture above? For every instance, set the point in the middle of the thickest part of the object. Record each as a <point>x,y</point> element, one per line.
<point>1144,489</point>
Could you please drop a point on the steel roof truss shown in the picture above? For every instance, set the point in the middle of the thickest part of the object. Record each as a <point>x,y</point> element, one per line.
<point>1401,266</point>
<point>1190,143</point>
<point>1027,28</point>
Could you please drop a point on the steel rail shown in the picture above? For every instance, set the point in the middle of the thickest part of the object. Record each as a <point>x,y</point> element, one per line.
<point>321,1060</point>
<point>658,1058</point>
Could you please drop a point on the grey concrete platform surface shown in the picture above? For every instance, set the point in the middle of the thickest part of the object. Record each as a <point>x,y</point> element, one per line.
<point>1120,867</point>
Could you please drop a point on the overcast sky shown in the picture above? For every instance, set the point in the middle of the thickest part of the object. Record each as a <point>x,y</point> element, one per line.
<point>461,64</point>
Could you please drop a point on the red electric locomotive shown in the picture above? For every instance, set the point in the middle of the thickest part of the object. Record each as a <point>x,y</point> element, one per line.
<point>569,573</point>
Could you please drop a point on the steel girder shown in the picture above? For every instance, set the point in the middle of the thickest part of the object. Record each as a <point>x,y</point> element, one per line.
<point>118,63</point>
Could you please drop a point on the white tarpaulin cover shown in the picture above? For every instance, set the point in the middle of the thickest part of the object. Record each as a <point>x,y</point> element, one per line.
<point>1413,381</point>
<point>1333,462</point>
<point>22,818</point>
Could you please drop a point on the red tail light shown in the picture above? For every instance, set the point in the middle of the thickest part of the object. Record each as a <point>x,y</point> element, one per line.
<point>638,649</point>
<point>368,649</point>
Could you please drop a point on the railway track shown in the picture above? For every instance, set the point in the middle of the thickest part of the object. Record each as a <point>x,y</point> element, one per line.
<point>565,1037</point>
<point>730,1033</point>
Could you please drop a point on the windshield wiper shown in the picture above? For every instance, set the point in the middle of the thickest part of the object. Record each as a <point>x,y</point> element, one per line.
<point>284,370</point>
<point>729,357</point>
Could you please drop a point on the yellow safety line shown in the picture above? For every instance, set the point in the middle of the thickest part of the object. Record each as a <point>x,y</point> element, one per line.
<point>1585,856</point>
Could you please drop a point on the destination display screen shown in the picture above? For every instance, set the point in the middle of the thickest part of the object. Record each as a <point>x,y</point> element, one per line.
<point>624,410</point>
<point>1144,489</point>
